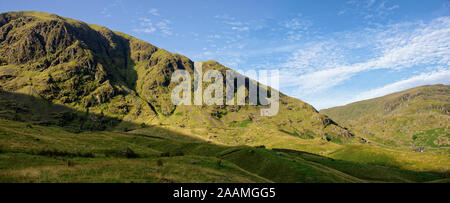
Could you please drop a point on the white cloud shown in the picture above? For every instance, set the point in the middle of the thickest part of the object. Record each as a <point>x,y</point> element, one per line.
<point>244,28</point>
<point>154,12</point>
<point>215,36</point>
<point>297,24</point>
<point>393,7</point>
<point>164,27</point>
<point>371,9</point>
<point>147,26</point>
<point>233,24</point>
<point>105,13</point>
<point>326,64</point>
<point>224,17</point>
<point>370,3</point>
<point>331,99</point>
<point>145,30</point>
<point>316,56</point>
<point>296,28</point>
<point>438,77</point>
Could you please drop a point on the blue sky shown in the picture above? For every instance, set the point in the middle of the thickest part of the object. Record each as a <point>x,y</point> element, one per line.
<point>329,53</point>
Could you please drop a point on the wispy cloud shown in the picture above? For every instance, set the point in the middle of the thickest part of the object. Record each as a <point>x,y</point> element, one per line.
<point>241,28</point>
<point>327,99</point>
<point>146,26</point>
<point>155,23</point>
<point>297,27</point>
<point>112,7</point>
<point>370,3</point>
<point>215,36</point>
<point>316,56</point>
<point>319,63</point>
<point>224,17</point>
<point>164,27</point>
<point>370,9</point>
<point>322,66</point>
<point>154,12</point>
<point>437,77</point>
<point>105,12</point>
<point>232,23</point>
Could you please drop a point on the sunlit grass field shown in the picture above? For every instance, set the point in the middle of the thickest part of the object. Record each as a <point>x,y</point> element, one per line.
<point>31,153</point>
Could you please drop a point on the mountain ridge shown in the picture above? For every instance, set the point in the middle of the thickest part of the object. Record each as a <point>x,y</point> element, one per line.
<point>92,68</point>
<point>401,118</point>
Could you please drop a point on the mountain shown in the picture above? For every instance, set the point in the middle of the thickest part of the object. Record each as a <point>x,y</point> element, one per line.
<point>82,103</point>
<point>92,69</point>
<point>417,117</point>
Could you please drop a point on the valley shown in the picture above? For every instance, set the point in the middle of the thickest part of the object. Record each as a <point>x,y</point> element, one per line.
<point>82,103</point>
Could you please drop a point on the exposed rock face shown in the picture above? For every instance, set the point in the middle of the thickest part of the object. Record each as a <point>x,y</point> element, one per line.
<point>85,66</point>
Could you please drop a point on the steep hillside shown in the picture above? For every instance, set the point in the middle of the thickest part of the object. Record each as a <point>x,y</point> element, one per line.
<point>92,69</point>
<point>418,117</point>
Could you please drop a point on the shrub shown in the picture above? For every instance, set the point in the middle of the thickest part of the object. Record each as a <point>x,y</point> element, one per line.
<point>219,163</point>
<point>70,163</point>
<point>159,163</point>
<point>334,139</point>
<point>179,154</point>
<point>245,123</point>
<point>306,135</point>
<point>59,153</point>
<point>128,153</point>
<point>164,154</point>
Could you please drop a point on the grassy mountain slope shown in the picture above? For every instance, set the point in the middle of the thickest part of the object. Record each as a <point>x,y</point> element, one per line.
<point>93,69</point>
<point>417,117</point>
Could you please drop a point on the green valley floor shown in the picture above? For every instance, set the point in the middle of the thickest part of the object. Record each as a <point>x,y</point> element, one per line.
<point>156,154</point>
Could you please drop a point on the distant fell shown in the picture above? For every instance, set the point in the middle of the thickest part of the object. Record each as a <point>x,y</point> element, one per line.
<point>417,117</point>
